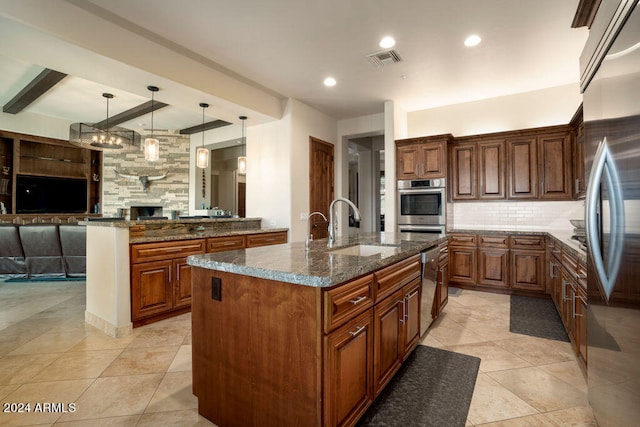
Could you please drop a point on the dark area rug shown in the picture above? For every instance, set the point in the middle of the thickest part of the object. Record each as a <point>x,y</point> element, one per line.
<point>432,388</point>
<point>536,317</point>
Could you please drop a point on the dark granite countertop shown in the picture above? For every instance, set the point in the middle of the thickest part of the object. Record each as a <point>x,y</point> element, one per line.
<point>168,237</point>
<point>319,267</point>
<point>115,222</point>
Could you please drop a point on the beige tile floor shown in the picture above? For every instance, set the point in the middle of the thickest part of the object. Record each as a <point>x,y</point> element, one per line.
<point>48,354</point>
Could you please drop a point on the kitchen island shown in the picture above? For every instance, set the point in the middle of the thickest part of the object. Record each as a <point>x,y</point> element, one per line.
<point>284,336</point>
<point>137,271</point>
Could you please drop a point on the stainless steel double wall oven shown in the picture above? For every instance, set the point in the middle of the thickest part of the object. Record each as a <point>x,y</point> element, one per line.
<point>422,205</point>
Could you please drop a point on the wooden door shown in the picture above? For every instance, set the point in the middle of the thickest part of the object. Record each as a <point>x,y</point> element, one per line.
<point>463,171</point>
<point>242,199</point>
<point>182,283</point>
<point>348,369</point>
<point>388,319</point>
<point>407,159</point>
<point>491,170</point>
<point>151,289</point>
<point>320,184</point>
<point>431,160</point>
<point>412,317</point>
<point>554,152</point>
<point>527,271</point>
<point>522,161</point>
<point>493,267</point>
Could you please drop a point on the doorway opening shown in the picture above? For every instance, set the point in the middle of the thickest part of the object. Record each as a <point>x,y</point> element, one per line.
<point>367,181</point>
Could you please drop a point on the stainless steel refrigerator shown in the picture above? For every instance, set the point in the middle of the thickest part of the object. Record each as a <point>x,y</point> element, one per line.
<point>610,66</point>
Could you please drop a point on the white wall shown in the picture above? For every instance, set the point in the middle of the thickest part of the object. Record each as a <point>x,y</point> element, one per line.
<point>546,107</point>
<point>268,172</point>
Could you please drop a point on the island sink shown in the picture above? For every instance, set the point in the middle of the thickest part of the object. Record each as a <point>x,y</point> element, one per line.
<point>367,250</point>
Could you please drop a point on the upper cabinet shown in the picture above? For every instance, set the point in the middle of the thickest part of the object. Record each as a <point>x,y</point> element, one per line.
<point>533,164</point>
<point>419,158</point>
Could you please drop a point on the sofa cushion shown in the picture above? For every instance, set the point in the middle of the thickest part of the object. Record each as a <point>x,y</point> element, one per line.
<point>41,246</point>
<point>12,261</point>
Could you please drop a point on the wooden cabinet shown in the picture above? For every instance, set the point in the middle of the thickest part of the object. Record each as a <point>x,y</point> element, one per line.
<point>442,280</point>
<point>161,278</point>
<point>462,259</point>
<point>388,343</point>
<point>348,368</point>
<point>527,270</point>
<point>264,239</point>
<point>579,176</point>
<point>7,175</point>
<point>463,171</point>
<point>554,152</point>
<point>35,156</point>
<point>227,243</point>
<point>418,158</point>
<point>522,174</point>
<point>529,164</point>
<point>498,261</point>
<point>491,170</point>
<point>493,267</point>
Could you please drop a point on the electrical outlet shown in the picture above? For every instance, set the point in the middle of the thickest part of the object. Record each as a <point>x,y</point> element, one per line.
<point>303,216</point>
<point>272,223</point>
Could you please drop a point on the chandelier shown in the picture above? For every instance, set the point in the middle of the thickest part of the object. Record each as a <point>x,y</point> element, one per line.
<point>104,138</point>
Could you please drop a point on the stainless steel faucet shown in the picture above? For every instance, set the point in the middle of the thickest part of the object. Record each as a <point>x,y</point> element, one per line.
<point>309,235</point>
<point>332,224</point>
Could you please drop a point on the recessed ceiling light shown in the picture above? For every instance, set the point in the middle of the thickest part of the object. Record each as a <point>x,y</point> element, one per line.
<point>472,40</point>
<point>329,82</point>
<point>387,42</point>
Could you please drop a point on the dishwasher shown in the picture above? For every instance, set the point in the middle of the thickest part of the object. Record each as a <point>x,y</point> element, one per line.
<point>429,280</point>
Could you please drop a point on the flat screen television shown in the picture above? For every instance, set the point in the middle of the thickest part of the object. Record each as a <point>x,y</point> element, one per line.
<point>38,194</point>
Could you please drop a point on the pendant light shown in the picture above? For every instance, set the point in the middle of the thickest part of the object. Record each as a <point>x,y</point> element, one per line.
<point>152,145</point>
<point>202,155</point>
<point>242,160</point>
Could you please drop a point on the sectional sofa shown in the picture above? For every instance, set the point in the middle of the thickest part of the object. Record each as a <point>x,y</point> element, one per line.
<point>42,250</point>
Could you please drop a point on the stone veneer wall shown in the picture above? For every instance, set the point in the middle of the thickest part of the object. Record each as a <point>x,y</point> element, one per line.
<point>172,193</point>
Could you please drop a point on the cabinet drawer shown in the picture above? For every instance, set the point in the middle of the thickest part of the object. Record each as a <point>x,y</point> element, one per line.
<point>493,241</point>
<point>219,244</point>
<point>392,278</point>
<point>264,239</point>
<point>527,242</point>
<point>346,301</point>
<point>144,252</point>
<point>462,240</point>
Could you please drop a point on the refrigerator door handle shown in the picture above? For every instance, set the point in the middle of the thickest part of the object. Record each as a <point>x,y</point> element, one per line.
<point>603,165</point>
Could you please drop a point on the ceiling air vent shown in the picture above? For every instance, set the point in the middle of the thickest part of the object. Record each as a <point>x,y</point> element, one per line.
<point>384,57</point>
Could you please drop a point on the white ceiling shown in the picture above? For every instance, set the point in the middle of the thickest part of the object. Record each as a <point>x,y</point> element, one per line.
<point>286,48</point>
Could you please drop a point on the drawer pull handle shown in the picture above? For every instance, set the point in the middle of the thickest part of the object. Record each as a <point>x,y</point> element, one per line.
<point>527,243</point>
<point>357,331</point>
<point>230,243</point>
<point>357,300</point>
<point>174,250</point>
<point>581,276</point>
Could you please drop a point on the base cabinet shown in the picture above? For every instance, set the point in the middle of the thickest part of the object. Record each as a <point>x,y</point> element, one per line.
<point>349,363</point>
<point>161,278</point>
<point>498,261</point>
<point>342,349</point>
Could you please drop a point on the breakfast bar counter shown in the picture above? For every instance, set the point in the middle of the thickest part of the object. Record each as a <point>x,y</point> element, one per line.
<point>137,271</point>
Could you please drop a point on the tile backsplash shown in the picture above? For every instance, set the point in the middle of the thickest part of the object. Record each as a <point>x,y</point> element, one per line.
<point>526,216</point>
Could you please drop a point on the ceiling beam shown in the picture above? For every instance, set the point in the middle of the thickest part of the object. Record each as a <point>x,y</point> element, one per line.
<point>201,128</point>
<point>36,88</point>
<point>130,114</point>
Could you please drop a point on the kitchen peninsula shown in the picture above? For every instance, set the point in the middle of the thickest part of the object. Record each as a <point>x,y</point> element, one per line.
<point>284,336</point>
<point>137,271</point>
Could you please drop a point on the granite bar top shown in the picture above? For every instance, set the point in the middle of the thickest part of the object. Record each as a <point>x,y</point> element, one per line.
<point>563,238</point>
<point>202,234</point>
<point>320,266</point>
<point>115,222</point>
